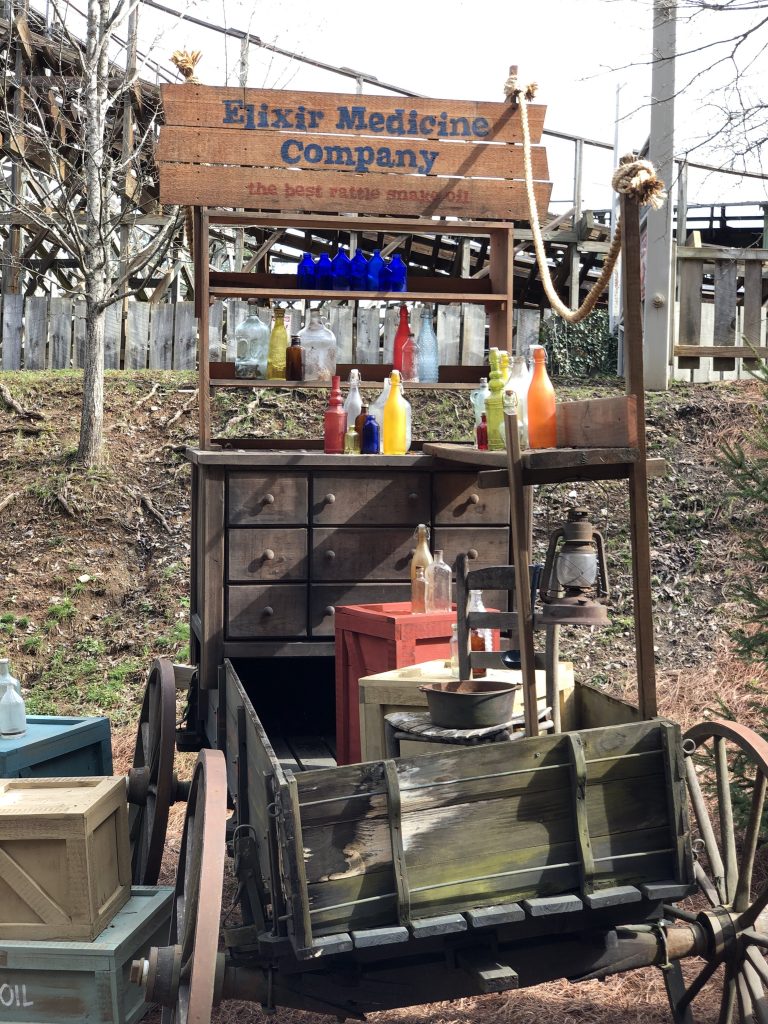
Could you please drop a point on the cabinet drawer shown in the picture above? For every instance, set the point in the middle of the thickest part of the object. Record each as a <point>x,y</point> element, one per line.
<point>485,546</point>
<point>264,498</point>
<point>322,599</point>
<point>349,554</point>
<point>357,499</point>
<point>459,501</point>
<point>267,555</point>
<point>255,612</point>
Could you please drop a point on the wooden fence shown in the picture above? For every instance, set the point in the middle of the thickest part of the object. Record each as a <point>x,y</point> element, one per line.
<point>49,333</point>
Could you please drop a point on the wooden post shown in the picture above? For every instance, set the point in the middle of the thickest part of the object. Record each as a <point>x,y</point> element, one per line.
<point>638,474</point>
<point>127,147</point>
<point>200,244</point>
<point>573,255</point>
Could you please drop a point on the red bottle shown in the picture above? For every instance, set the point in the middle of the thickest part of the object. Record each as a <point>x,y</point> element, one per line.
<point>403,332</point>
<point>481,432</point>
<point>335,421</point>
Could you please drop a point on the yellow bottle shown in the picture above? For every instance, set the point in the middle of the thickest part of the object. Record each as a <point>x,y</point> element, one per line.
<point>278,343</point>
<point>394,440</point>
<point>494,407</point>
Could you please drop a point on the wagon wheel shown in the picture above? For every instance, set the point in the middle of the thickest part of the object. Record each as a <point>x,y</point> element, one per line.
<point>183,977</point>
<point>151,784</point>
<point>727,769</point>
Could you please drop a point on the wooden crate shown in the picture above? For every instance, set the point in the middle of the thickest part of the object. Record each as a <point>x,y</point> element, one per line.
<point>399,690</point>
<point>373,638</point>
<point>54,746</point>
<point>65,859</point>
<point>62,982</point>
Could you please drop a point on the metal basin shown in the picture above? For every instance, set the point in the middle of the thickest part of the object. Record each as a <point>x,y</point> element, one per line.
<point>469,703</point>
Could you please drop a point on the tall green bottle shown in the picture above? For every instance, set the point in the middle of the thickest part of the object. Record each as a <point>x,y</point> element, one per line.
<point>494,404</point>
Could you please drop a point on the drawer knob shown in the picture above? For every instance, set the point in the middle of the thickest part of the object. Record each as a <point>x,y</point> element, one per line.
<point>413,496</point>
<point>474,499</point>
<point>268,499</point>
<point>329,499</point>
<point>268,555</point>
<point>329,610</point>
<point>472,553</point>
<point>330,555</point>
<point>268,612</point>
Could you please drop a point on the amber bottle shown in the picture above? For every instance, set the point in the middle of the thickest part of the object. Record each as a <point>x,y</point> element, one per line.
<point>294,369</point>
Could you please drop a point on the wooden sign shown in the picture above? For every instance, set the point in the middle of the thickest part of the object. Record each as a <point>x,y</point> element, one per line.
<point>280,150</point>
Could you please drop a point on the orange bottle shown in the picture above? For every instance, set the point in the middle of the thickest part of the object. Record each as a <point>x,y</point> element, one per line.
<point>542,429</point>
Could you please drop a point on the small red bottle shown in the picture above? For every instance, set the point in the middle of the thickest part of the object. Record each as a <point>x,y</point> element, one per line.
<point>403,332</point>
<point>481,433</point>
<point>335,421</point>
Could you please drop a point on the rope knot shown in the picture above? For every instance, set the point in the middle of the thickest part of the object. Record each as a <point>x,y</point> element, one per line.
<point>637,180</point>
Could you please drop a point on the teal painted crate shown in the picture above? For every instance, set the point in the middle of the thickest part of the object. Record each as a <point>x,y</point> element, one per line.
<point>57,747</point>
<point>85,982</point>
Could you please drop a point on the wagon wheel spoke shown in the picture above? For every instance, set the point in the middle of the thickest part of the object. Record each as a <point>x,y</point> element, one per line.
<point>725,808</point>
<point>697,985</point>
<point>756,990</point>
<point>746,1010</point>
<point>703,820</point>
<point>728,999</point>
<point>744,884</point>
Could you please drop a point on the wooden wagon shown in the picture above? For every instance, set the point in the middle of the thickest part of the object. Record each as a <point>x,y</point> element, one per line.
<point>409,879</point>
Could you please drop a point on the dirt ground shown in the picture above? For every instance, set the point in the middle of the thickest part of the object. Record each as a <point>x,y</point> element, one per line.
<point>94,570</point>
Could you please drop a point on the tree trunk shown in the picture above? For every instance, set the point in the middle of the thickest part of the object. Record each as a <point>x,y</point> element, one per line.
<point>92,417</point>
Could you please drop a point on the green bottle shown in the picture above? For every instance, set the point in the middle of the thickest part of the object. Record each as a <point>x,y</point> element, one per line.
<point>494,404</point>
<point>278,343</point>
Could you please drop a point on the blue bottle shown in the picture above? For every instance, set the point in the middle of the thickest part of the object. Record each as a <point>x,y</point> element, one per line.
<point>305,272</point>
<point>324,273</point>
<point>385,278</point>
<point>369,442</point>
<point>358,272</point>
<point>375,267</point>
<point>398,275</point>
<point>342,270</point>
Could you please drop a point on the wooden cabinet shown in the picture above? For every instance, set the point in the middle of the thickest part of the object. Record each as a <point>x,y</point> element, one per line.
<point>281,538</point>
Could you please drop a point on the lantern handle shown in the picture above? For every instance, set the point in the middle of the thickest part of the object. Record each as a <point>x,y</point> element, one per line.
<point>549,563</point>
<point>603,586</point>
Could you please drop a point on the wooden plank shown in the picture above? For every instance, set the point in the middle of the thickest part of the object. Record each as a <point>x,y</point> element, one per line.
<point>340,321</point>
<point>752,333</point>
<point>214,106</point>
<point>237,311</point>
<point>365,938</point>
<point>284,754</point>
<point>255,149</point>
<point>300,922</point>
<point>448,333</point>
<point>579,806</point>
<point>35,332</point>
<point>502,276</point>
<point>215,324</point>
<point>391,321</point>
<point>137,335</point>
<point>113,329</point>
<point>205,185</point>
<point>691,274</point>
<point>311,753</point>
<point>489,974</point>
<point>616,896</point>
<point>161,336</point>
<point>547,906</point>
<point>597,423</point>
<point>667,890</point>
<point>11,330</point>
<point>79,332</point>
<point>473,335</point>
<point>725,311</point>
<point>184,336</point>
<point>59,332</point>
<point>368,327</point>
<point>444,924</point>
<point>721,252</point>
<point>490,917</point>
<point>397,853</point>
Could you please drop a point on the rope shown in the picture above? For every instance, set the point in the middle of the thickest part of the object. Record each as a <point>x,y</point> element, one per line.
<point>634,178</point>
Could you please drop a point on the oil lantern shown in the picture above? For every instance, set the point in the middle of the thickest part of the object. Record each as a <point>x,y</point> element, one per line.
<point>574,583</point>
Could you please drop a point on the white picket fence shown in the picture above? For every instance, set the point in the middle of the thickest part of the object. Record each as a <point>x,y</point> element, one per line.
<point>42,333</point>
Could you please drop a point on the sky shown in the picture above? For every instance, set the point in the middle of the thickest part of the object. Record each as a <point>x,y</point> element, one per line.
<point>580,52</point>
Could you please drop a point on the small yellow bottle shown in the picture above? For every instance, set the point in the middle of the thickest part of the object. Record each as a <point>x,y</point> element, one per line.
<point>394,440</point>
<point>278,343</point>
<point>494,408</point>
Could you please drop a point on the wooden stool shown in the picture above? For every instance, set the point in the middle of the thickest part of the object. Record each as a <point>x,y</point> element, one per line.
<point>417,726</point>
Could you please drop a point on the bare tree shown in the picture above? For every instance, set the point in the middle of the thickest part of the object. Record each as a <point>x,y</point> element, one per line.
<point>80,131</point>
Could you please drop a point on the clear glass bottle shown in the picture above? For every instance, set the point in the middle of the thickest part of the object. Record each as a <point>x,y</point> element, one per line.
<point>324,273</point>
<point>278,343</point>
<point>401,336</point>
<point>6,679</point>
<point>454,662</point>
<point>353,403</point>
<point>478,399</point>
<point>410,360</point>
<point>419,591</point>
<point>334,421</point>
<point>398,275</point>
<point>341,271</point>
<point>542,428</point>
<point>358,272</point>
<point>375,266</point>
<point>395,435</point>
<point>439,585</point>
<point>518,381</point>
<point>13,718</point>
<point>305,272</point>
<point>319,344</point>
<point>422,556</point>
<point>511,404</point>
<point>427,345</point>
<point>252,340</point>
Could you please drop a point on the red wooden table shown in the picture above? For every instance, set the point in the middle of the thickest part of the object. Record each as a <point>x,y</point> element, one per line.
<point>373,638</point>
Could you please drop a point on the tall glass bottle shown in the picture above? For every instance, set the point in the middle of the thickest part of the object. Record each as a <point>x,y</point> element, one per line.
<point>419,591</point>
<point>375,265</point>
<point>278,343</point>
<point>341,266</point>
<point>438,585</point>
<point>478,399</point>
<point>494,408</point>
<point>13,719</point>
<point>410,360</point>
<point>401,336</point>
<point>358,272</point>
<point>6,679</point>
<point>398,275</point>
<point>517,381</point>
<point>353,403</point>
<point>294,369</point>
<point>319,344</point>
<point>481,433</point>
<point>542,424</point>
<point>324,273</point>
<point>394,441</point>
<point>252,338</point>
<point>422,556</point>
<point>427,344</point>
<point>376,408</point>
<point>334,421</point>
<point>305,272</point>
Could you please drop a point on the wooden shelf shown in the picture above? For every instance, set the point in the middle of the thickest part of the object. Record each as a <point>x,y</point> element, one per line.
<point>311,385</point>
<point>241,291</point>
